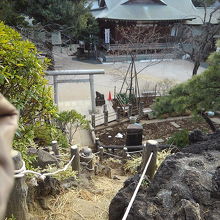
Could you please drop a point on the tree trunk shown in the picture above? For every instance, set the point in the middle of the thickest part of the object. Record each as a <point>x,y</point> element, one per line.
<point>209,121</point>
<point>196,67</point>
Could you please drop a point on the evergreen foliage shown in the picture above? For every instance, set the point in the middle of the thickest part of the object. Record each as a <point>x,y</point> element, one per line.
<point>201,93</point>
<point>69,122</point>
<point>71,16</point>
<point>22,77</point>
<point>198,45</point>
<point>179,138</point>
<point>11,12</point>
<point>23,83</point>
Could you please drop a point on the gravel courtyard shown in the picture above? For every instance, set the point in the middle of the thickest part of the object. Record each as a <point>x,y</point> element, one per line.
<point>77,95</point>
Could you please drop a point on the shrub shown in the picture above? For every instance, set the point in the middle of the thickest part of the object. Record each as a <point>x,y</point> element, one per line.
<point>22,82</point>
<point>45,133</point>
<point>201,93</point>
<point>69,122</point>
<point>179,138</point>
<point>22,77</point>
<point>131,166</point>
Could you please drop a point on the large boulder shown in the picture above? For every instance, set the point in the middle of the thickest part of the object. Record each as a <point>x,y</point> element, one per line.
<point>196,136</point>
<point>185,187</point>
<point>43,158</point>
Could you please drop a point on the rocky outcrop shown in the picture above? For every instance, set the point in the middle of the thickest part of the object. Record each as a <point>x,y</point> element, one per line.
<point>196,136</point>
<point>185,187</point>
<point>43,158</point>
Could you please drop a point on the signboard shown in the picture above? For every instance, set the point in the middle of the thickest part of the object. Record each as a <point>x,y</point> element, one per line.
<point>56,38</point>
<point>107,36</point>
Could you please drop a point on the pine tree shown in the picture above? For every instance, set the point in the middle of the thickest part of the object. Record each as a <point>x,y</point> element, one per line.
<point>11,12</point>
<point>199,94</point>
<point>71,16</point>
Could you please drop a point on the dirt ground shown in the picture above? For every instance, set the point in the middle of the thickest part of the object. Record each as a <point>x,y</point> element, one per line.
<point>89,201</point>
<point>77,95</point>
<point>160,130</point>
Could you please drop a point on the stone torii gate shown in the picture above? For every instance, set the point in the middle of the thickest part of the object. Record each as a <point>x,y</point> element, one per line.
<point>91,74</point>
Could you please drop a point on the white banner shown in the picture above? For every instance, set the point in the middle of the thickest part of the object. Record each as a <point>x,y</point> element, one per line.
<point>107,36</point>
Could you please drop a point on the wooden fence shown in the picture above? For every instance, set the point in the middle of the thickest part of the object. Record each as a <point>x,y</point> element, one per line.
<point>17,205</point>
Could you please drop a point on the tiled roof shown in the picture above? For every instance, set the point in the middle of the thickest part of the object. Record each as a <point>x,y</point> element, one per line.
<point>148,11</point>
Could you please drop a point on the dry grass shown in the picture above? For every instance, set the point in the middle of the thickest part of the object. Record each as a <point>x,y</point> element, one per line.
<point>90,201</point>
<point>131,165</point>
<point>84,203</point>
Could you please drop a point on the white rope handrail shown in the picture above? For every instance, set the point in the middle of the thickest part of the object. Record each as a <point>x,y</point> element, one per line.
<point>137,189</point>
<point>21,172</point>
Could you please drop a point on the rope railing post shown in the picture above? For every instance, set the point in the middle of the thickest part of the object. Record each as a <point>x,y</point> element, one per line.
<point>106,118</point>
<point>17,205</point>
<point>101,150</point>
<point>137,188</point>
<point>150,146</point>
<point>129,110</point>
<point>93,120</point>
<point>118,116</point>
<point>97,143</point>
<point>55,89</point>
<point>55,148</point>
<point>125,153</point>
<point>105,111</point>
<point>141,107</point>
<point>105,108</point>
<point>74,150</point>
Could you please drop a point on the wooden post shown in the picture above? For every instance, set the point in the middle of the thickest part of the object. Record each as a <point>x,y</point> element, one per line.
<point>55,148</point>
<point>76,161</point>
<point>118,116</point>
<point>92,91</point>
<point>17,205</point>
<point>151,146</point>
<point>101,154</point>
<point>105,109</point>
<point>106,118</point>
<point>129,110</point>
<point>125,153</point>
<point>141,107</point>
<point>97,143</point>
<point>93,120</point>
<point>55,89</point>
